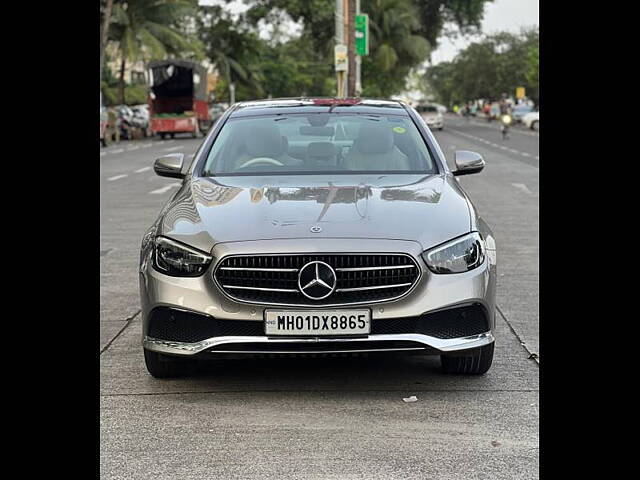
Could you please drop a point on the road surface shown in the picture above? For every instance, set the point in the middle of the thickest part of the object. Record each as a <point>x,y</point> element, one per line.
<point>341,418</point>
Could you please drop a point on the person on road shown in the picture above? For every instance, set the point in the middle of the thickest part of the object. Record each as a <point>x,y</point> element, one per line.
<point>505,119</point>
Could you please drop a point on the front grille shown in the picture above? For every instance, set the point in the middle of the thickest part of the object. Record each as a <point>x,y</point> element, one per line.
<point>451,323</point>
<point>360,278</point>
<point>180,326</point>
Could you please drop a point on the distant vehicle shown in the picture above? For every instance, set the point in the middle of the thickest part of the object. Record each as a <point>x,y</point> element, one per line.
<point>141,118</point>
<point>441,108</point>
<point>532,120</point>
<point>215,111</point>
<point>178,98</point>
<point>127,123</point>
<point>519,111</point>
<point>431,116</point>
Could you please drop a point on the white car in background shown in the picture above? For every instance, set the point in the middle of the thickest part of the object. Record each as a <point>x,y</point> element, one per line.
<point>432,116</point>
<point>532,120</point>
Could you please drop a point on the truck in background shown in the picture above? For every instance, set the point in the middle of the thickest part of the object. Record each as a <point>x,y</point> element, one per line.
<point>178,98</point>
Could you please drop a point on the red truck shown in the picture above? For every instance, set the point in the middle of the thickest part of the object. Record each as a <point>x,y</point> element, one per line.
<point>178,98</point>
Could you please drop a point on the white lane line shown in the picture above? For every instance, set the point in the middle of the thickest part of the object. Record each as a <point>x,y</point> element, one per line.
<point>140,170</point>
<point>135,147</point>
<point>145,145</point>
<point>165,189</point>
<point>171,149</point>
<point>117,177</point>
<point>103,153</point>
<point>537,157</point>
<point>525,154</point>
<point>120,150</point>
<point>523,187</point>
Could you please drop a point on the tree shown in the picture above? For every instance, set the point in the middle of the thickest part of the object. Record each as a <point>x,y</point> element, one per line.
<point>231,47</point>
<point>148,29</point>
<point>494,65</point>
<point>394,44</point>
<point>104,34</point>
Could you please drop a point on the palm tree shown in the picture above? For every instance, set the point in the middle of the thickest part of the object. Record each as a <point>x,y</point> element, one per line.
<point>148,30</point>
<point>231,47</point>
<point>395,43</point>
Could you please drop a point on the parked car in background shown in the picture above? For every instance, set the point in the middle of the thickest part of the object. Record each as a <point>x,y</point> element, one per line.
<point>126,121</point>
<point>532,120</point>
<point>519,111</point>
<point>431,116</point>
<point>141,118</point>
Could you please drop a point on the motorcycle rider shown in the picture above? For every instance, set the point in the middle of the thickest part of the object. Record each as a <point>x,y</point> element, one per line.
<point>505,118</point>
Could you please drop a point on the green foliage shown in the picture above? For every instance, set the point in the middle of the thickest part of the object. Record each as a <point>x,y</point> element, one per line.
<point>133,94</point>
<point>497,64</point>
<point>402,33</point>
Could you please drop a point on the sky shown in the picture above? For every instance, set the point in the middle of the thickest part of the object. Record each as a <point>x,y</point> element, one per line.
<point>500,15</point>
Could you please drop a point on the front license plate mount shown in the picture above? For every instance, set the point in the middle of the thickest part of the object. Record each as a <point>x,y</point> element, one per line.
<point>317,323</point>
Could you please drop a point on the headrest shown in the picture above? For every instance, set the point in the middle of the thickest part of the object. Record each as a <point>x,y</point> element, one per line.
<point>374,138</point>
<point>321,149</point>
<point>263,140</point>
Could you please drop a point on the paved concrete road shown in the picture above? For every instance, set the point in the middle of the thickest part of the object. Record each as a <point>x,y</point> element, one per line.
<point>323,418</point>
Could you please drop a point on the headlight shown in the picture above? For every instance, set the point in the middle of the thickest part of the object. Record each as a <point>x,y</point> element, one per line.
<point>457,256</point>
<point>178,260</point>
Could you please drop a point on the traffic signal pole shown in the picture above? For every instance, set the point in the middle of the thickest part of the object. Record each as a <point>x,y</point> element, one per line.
<point>351,45</point>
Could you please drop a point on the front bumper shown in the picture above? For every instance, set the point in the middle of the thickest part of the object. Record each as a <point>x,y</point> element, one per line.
<point>432,293</point>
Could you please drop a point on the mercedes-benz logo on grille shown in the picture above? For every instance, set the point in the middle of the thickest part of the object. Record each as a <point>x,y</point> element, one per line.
<point>317,280</point>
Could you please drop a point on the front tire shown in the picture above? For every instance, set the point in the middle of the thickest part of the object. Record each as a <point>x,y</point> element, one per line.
<point>165,366</point>
<point>476,362</point>
<point>535,125</point>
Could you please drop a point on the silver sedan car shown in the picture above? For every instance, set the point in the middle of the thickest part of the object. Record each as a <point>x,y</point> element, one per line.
<point>318,226</point>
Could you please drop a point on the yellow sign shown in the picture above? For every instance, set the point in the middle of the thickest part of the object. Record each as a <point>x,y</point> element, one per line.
<point>519,92</point>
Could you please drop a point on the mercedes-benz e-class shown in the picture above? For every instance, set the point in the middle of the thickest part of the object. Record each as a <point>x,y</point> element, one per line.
<point>318,226</point>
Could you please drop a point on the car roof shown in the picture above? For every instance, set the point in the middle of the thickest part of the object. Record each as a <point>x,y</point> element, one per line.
<point>318,105</point>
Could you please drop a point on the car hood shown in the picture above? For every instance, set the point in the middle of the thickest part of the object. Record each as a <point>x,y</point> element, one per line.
<point>427,209</point>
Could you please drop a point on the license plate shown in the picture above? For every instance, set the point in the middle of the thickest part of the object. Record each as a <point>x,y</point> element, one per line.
<point>317,323</point>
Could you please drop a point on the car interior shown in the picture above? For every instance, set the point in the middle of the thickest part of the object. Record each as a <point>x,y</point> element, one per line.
<point>319,143</point>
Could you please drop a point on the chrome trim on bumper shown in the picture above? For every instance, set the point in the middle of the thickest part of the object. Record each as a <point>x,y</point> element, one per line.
<point>444,345</point>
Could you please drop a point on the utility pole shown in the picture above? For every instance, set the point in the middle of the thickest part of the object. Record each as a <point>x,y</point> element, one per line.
<point>358,86</point>
<point>339,38</point>
<point>351,45</point>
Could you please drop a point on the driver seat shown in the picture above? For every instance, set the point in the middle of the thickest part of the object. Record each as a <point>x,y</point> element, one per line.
<point>263,140</point>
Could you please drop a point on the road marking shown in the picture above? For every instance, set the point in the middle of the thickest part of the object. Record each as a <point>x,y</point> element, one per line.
<point>165,189</point>
<point>120,150</point>
<point>135,147</point>
<point>103,153</point>
<point>140,170</point>
<point>117,177</point>
<point>503,147</point>
<point>171,149</point>
<point>523,187</point>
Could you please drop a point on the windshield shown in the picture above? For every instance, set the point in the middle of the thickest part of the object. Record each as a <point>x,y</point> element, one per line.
<point>319,143</point>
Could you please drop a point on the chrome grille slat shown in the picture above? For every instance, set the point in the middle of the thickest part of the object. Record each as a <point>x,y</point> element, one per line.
<point>262,289</point>
<point>361,278</point>
<point>252,269</point>
<point>374,287</point>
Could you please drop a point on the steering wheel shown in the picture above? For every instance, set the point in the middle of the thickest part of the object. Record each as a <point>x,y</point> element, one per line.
<point>267,160</point>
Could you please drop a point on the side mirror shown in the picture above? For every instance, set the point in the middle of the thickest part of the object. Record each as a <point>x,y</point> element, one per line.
<point>169,165</point>
<point>467,162</point>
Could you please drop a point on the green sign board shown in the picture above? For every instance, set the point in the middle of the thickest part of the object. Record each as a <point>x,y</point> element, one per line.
<point>362,34</point>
